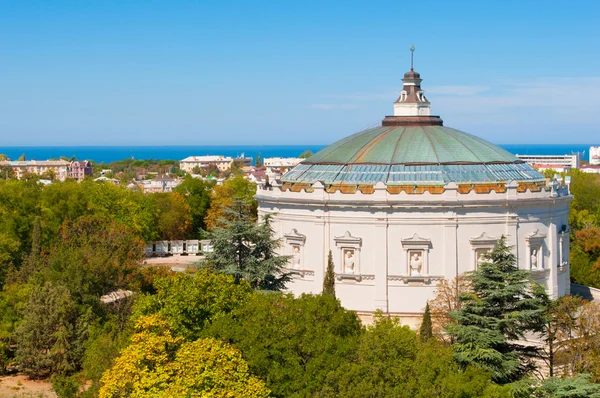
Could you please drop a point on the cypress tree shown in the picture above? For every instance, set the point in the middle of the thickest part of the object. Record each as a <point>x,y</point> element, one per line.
<point>502,307</point>
<point>426,330</point>
<point>329,280</point>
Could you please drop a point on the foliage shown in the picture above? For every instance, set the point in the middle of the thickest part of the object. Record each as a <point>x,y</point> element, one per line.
<point>174,216</point>
<point>426,329</point>
<point>584,220</point>
<point>191,302</point>
<point>329,280</point>
<point>306,154</point>
<point>47,336</point>
<point>573,344</point>
<point>13,300</point>
<point>504,306</point>
<point>391,362</point>
<point>446,300</point>
<point>93,257</point>
<point>291,343</point>
<point>246,250</point>
<point>197,195</point>
<point>576,387</point>
<point>223,197</point>
<point>158,364</point>
<point>64,386</point>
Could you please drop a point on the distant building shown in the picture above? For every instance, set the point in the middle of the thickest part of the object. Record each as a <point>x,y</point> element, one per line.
<point>280,165</point>
<point>223,163</point>
<point>162,183</point>
<point>595,155</point>
<point>80,170</point>
<point>590,169</point>
<point>106,179</point>
<point>554,167</point>
<point>571,161</point>
<point>60,168</point>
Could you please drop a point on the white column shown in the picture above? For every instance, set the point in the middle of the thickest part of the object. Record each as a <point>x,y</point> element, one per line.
<point>450,246</point>
<point>554,259</point>
<point>380,258</point>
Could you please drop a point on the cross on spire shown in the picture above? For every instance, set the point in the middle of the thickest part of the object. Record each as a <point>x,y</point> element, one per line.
<point>412,54</point>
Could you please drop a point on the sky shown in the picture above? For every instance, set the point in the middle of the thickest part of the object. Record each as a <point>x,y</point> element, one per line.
<point>293,72</point>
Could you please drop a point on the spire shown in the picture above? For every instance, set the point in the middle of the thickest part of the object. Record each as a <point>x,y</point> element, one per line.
<point>412,101</point>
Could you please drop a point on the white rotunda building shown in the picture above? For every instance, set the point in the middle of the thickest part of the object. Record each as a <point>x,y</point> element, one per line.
<point>407,204</point>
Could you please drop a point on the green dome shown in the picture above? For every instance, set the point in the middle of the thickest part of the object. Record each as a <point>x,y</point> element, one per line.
<point>412,155</point>
<point>412,145</point>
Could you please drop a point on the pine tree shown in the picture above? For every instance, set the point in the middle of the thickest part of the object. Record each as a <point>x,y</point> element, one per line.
<point>426,330</point>
<point>502,307</point>
<point>329,280</point>
<point>246,250</point>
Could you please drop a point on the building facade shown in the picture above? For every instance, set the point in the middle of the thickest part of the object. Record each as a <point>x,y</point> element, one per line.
<point>550,161</point>
<point>60,168</point>
<point>410,203</point>
<point>80,170</point>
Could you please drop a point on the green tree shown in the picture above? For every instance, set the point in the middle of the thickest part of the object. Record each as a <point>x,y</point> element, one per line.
<point>329,280</point>
<point>46,338</point>
<point>197,195</point>
<point>158,364</point>
<point>190,302</point>
<point>503,306</point>
<point>223,197</point>
<point>291,343</point>
<point>174,216</point>
<point>3,157</point>
<point>426,330</point>
<point>247,250</point>
<point>306,154</point>
<point>258,161</point>
<point>389,361</point>
<point>22,157</point>
<point>93,257</point>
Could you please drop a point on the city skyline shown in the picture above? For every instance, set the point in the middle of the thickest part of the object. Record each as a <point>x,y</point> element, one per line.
<point>152,73</point>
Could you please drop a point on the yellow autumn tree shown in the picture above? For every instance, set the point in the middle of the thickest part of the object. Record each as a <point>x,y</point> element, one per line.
<point>445,301</point>
<point>158,364</point>
<point>222,197</point>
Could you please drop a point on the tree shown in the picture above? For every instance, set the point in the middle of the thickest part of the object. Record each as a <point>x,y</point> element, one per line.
<point>247,250</point>
<point>389,361</point>
<point>223,197</point>
<point>573,343</point>
<point>191,302</point>
<point>93,257</point>
<point>445,301</point>
<point>174,218</point>
<point>258,160</point>
<point>46,338</point>
<point>426,330</point>
<point>197,195</point>
<point>306,154</point>
<point>291,343</point>
<point>503,306</point>
<point>160,364</point>
<point>3,157</point>
<point>329,280</point>
<point>22,158</point>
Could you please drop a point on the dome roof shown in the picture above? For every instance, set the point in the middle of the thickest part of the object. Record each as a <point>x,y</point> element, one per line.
<point>412,147</point>
<point>414,155</point>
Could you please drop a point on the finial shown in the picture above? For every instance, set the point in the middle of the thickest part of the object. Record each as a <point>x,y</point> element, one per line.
<point>412,53</point>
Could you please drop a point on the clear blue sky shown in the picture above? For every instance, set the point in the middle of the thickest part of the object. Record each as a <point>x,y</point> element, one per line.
<point>292,72</point>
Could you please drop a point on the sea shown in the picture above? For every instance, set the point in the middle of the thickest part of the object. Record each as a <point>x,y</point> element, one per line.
<point>107,154</point>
